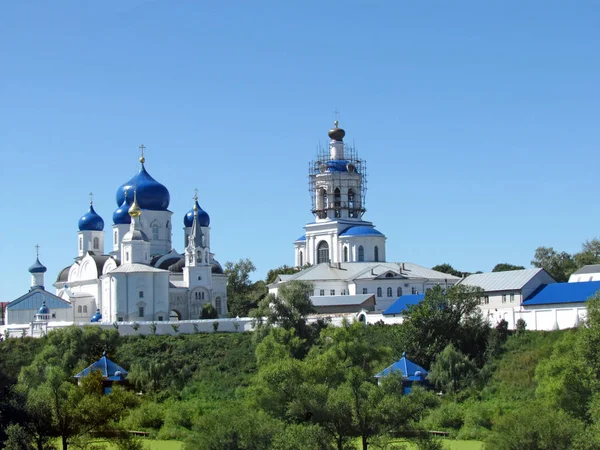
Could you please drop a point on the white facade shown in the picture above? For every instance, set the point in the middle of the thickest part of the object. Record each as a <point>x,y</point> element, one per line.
<point>590,272</point>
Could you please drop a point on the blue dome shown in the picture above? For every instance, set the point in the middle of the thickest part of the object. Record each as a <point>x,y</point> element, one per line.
<point>203,217</point>
<point>37,267</point>
<point>150,194</point>
<point>97,317</point>
<point>91,221</point>
<point>44,309</point>
<point>121,214</point>
<point>361,230</point>
<point>338,165</point>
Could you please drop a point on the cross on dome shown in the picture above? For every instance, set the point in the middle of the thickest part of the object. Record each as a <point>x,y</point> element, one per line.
<point>37,250</point>
<point>91,198</point>
<point>142,159</point>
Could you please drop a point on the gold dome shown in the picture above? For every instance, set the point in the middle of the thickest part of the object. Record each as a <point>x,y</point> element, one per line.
<point>135,210</point>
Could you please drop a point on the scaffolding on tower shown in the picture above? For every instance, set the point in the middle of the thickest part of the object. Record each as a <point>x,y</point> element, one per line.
<point>320,165</point>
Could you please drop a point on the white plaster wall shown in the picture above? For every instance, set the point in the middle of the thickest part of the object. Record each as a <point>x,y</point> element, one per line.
<point>584,277</point>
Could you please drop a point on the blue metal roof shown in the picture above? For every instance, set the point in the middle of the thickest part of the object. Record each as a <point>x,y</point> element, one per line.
<point>408,369</point>
<point>403,302</point>
<point>549,294</point>
<point>360,230</point>
<point>203,217</point>
<point>150,194</point>
<point>301,238</point>
<point>37,267</point>
<point>91,221</point>
<point>106,367</point>
<point>35,299</point>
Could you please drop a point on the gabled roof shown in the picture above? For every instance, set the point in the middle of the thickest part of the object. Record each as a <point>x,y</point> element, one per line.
<point>550,294</point>
<point>34,299</point>
<point>407,368</point>
<point>107,367</point>
<point>340,300</point>
<point>502,281</point>
<point>403,302</point>
<point>590,268</point>
<point>367,271</point>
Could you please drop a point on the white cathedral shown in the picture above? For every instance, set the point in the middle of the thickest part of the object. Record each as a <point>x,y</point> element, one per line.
<point>345,254</point>
<point>143,278</point>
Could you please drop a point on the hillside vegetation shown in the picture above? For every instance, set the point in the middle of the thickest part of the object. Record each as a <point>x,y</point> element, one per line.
<point>311,386</point>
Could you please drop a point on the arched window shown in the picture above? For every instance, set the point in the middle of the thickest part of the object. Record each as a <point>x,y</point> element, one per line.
<point>80,243</point>
<point>379,292</point>
<point>337,202</point>
<point>116,237</point>
<point>376,251</point>
<point>155,233</point>
<point>345,254</point>
<point>361,253</point>
<point>85,309</point>
<point>389,292</point>
<point>96,243</point>
<point>324,198</point>
<point>79,309</point>
<point>300,259</point>
<point>351,203</point>
<point>322,252</point>
<point>399,291</point>
<point>218,305</point>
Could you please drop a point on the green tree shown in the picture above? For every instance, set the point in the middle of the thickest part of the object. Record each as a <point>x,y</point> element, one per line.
<point>242,294</point>
<point>589,254</point>
<point>288,309</point>
<point>208,312</point>
<point>447,268</point>
<point>281,270</point>
<point>505,267</point>
<point>452,371</point>
<point>445,317</point>
<point>559,265</point>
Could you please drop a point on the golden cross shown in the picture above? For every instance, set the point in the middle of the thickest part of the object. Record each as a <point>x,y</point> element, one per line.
<point>142,159</point>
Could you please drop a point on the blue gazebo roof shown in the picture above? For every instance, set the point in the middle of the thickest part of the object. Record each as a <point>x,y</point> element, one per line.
<point>407,368</point>
<point>107,367</point>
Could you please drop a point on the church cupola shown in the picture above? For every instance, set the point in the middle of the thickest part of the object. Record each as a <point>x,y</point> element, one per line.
<point>150,193</point>
<point>121,222</point>
<point>336,146</point>
<point>198,267</point>
<point>203,221</point>
<point>135,246</point>
<point>91,232</point>
<point>37,271</point>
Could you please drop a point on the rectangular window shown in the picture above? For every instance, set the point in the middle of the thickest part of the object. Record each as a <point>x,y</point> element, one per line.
<point>486,300</point>
<point>141,311</point>
<point>364,290</point>
<point>503,298</point>
<point>512,298</point>
<point>119,319</point>
<point>332,292</point>
<point>155,233</point>
<point>322,292</point>
<point>141,294</point>
<point>160,318</point>
<point>343,291</point>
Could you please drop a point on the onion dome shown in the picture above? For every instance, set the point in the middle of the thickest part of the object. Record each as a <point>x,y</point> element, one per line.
<point>203,217</point>
<point>150,193</point>
<point>44,309</point>
<point>91,221</point>
<point>121,214</point>
<point>336,134</point>
<point>97,317</point>
<point>135,210</point>
<point>37,267</point>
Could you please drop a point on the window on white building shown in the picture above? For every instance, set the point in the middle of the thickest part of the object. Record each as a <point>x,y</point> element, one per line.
<point>116,238</point>
<point>379,292</point>
<point>96,243</point>
<point>218,305</point>
<point>322,252</point>
<point>345,254</point>
<point>80,243</point>
<point>361,253</point>
<point>337,201</point>
<point>79,309</point>
<point>332,292</point>
<point>399,291</point>
<point>141,311</point>
<point>155,233</point>
<point>351,212</point>
<point>141,294</point>
<point>503,298</point>
<point>322,292</point>
<point>413,291</point>
<point>343,291</point>
<point>85,309</point>
<point>512,298</point>
<point>300,259</point>
<point>389,292</point>
<point>376,253</point>
<point>364,290</point>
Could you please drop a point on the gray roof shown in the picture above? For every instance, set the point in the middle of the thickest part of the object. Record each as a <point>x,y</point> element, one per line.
<point>367,271</point>
<point>35,298</point>
<point>135,235</point>
<point>590,268</point>
<point>135,267</point>
<point>340,300</point>
<point>502,281</point>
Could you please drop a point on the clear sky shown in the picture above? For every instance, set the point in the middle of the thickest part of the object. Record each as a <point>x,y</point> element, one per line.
<point>479,122</point>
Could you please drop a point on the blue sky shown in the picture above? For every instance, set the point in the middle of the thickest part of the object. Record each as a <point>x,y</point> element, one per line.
<point>478,121</point>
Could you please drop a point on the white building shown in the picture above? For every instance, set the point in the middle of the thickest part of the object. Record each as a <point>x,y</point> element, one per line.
<point>505,292</point>
<point>346,253</point>
<point>143,278</point>
<point>591,272</point>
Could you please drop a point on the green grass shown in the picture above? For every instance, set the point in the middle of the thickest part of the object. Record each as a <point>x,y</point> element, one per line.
<point>150,444</point>
<point>449,443</point>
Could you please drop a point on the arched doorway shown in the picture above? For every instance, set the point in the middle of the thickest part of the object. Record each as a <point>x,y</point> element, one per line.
<point>174,315</point>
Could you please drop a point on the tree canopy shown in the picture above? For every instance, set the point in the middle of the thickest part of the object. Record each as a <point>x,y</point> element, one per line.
<point>447,268</point>
<point>242,294</point>
<point>505,267</point>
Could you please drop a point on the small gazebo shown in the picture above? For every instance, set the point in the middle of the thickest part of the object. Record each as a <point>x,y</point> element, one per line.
<point>111,372</point>
<point>411,373</point>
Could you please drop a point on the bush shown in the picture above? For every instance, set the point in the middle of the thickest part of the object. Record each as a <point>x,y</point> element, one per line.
<point>149,416</point>
<point>449,416</point>
<point>430,443</point>
<point>478,420</point>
